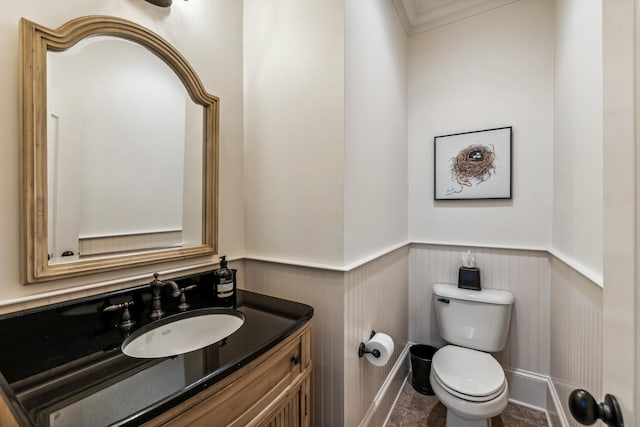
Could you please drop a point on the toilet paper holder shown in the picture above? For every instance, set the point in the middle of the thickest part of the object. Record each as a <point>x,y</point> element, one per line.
<point>362,349</point>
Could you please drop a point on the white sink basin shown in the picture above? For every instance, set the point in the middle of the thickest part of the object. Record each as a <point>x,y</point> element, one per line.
<point>182,333</point>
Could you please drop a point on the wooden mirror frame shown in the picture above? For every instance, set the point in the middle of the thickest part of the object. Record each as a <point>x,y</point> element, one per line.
<point>35,41</point>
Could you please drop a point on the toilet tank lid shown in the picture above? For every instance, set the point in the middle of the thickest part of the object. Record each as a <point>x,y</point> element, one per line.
<point>489,296</point>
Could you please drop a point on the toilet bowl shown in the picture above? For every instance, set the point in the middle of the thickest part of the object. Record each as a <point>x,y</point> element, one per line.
<point>464,376</point>
<point>470,383</point>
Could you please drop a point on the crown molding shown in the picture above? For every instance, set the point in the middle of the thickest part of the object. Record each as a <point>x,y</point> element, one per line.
<point>418,16</point>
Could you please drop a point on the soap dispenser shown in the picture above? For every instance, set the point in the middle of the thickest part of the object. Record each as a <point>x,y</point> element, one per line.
<point>224,282</point>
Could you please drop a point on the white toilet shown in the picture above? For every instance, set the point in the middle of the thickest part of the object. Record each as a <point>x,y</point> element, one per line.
<point>464,376</point>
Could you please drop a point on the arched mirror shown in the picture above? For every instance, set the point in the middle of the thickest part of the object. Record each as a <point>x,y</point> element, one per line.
<point>119,150</point>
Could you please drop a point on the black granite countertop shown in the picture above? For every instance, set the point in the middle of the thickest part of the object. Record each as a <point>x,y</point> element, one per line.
<point>61,365</point>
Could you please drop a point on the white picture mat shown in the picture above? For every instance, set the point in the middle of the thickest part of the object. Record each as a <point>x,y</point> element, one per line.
<point>447,147</point>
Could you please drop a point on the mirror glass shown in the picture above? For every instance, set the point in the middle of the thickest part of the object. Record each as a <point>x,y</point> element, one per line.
<point>124,152</point>
<point>119,151</point>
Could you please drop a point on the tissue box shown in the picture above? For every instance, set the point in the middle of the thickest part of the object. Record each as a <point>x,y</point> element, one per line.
<point>469,278</point>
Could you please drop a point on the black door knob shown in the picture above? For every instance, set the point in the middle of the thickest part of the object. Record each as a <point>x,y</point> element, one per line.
<point>587,411</point>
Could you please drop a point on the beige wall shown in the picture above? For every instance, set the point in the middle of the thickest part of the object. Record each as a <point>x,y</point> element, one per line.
<point>325,130</point>
<point>578,135</point>
<point>214,27</point>
<point>375,147</point>
<point>490,70</point>
<point>294,129</point>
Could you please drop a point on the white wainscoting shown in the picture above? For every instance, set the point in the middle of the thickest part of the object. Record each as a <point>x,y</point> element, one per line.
<point>523,272</point>
<point>375,300</point>
<point>554,345</point>
<point>324,291</point>
<point>576,335</point>
<point>347,307</point>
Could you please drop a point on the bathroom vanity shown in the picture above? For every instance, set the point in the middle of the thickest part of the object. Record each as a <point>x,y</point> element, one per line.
<point>63,365</point>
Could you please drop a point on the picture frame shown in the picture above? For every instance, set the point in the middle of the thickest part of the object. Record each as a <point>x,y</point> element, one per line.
<point>473,165</point>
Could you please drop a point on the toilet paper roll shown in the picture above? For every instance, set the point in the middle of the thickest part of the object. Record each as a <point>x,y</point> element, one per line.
<point>384,344</point>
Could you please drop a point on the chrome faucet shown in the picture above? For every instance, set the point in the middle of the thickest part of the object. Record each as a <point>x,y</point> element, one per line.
<point>156,286</point>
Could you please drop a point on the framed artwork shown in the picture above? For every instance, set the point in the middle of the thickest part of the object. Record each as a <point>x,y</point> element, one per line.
<point>473,165</point>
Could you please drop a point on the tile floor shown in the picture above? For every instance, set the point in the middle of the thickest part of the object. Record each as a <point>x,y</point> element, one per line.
<point>414,409</point>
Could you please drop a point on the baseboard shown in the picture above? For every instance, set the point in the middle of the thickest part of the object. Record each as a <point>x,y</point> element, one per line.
<point>527,388</point>
<point>536,391</point>
<point>556,414</point>
<point>380,408</point>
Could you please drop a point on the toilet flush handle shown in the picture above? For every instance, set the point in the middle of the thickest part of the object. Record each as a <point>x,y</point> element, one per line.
<point>444,300</point>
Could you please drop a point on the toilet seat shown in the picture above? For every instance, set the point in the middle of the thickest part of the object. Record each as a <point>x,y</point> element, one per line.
<point>468,374</point>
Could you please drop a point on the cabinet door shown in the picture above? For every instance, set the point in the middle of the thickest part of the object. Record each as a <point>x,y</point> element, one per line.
<point>293,411</point>
<point>7,418</point>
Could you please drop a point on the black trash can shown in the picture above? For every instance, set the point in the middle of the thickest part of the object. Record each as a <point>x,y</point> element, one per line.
<point>421,356</point>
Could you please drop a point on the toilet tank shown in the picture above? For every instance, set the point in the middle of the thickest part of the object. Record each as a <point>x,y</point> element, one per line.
<point>473,319</point>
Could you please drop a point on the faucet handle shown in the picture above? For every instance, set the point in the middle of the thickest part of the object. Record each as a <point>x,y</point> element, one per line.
<point>126,322</point>
<point>183,306</point>
<point>155,283</point>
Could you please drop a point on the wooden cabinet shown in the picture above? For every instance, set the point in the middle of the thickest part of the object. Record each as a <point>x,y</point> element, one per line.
<point>7,419</point>
<point>273,390</point>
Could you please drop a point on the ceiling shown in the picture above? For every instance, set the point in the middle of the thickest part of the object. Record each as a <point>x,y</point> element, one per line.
<point>424,15</point>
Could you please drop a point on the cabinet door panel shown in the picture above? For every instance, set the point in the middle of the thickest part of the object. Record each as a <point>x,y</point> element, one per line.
<point>292,409</point>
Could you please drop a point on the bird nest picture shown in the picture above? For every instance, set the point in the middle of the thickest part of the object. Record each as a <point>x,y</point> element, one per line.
<point>473,165</point>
